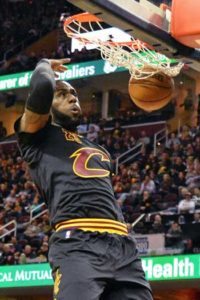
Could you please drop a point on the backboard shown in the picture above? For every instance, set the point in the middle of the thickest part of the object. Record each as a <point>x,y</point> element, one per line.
<point>143,20</point>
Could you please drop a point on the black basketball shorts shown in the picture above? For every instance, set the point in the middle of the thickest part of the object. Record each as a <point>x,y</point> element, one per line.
<point>96,266</point>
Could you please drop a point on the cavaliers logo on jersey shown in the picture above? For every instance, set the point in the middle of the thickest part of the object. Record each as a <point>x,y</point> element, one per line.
<point>81,163</point>
<point>71,136</point>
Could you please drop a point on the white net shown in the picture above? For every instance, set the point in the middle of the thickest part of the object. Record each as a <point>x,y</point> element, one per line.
<point>133,54</point>
<point>141,64</point>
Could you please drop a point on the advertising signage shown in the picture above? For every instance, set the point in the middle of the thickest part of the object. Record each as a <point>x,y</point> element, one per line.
<point>75,71</point>
<point>172,267</point>
<point>156,269</point>
<point>25,275</point>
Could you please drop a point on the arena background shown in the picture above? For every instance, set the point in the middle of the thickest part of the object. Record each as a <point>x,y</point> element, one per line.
<point>156,154</point>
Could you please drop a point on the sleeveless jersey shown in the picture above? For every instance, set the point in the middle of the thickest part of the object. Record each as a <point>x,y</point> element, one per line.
<point>72,174</point>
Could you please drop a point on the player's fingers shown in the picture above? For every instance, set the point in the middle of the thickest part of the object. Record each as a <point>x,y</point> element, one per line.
<point>65,60</point>
<point>62,69</point>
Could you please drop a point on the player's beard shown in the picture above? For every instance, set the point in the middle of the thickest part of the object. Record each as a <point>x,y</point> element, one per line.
<point>65,121</point>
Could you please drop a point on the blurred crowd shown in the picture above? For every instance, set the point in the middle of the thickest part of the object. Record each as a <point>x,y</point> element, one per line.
<point>27,62</point>
<point>26,21</point>
<point>164,187</point>
<point>21,27</point>
<point>18,198</point>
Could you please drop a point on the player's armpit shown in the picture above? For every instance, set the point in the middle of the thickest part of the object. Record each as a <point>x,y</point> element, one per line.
<point>32,122</point>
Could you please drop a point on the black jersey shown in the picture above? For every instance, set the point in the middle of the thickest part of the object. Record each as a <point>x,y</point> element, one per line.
<point>72,174</point>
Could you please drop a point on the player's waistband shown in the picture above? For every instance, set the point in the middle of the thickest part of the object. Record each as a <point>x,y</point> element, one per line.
<point>93,224</point>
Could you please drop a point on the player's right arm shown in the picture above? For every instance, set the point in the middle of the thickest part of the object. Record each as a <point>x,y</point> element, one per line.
<point>42,88</point>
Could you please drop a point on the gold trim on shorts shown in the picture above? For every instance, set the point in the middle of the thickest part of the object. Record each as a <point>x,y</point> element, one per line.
<point>93,224</point>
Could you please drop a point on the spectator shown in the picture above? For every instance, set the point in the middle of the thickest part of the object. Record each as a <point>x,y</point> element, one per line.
<point>116,149</point>
<point>186,205</point>
<point>8,254</point>
<point>43,252</point>
<point>11,198</point>
<point>134,194</point>
<point>157,226</point>
<point>164,162</point>
<point>181,220</point>
<point>173,140</point>
<point>196,142</point>
<point>152,163</point>
<point>178,165</point>
<point>144,139</point>
<point>189,150</point>
<point>196,218</point>
<point>174,236</point>
<point>117,131</point>
<point>45,226</point>
<point>128,138</point>
<point>176,150</point>
<point>145,205</point>
<point>179,179</point>
<point>185,136</point>
<point>28,255</point>
<point>148,185</point>
<point>196,197</point>
<point>182,192</point>
<point>92,134</point>
<point>166,185</point>
<point>33,230</point>
<point>16,244</point>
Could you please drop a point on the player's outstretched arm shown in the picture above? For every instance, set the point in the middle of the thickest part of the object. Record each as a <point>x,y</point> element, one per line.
<point>42,88</point>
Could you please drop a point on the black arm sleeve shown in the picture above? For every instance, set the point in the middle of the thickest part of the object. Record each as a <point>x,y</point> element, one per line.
<point>42,88</point>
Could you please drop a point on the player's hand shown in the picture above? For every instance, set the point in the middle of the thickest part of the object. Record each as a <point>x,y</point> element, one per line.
<point>57,65</point>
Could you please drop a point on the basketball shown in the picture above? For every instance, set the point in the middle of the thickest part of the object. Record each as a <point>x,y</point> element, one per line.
<point>151,93</point>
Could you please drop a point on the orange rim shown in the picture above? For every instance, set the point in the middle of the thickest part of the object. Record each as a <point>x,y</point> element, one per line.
<point>86,18</point>
<point>82,18</point>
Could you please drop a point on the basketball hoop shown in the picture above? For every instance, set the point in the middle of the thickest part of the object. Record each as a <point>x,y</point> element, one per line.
<point>138,57</point>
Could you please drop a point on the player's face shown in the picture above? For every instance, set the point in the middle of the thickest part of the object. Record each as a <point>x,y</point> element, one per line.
<point>66,110</point>
<point>66,101</point>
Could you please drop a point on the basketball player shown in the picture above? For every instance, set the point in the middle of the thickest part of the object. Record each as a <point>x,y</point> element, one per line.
<point>91,254</point>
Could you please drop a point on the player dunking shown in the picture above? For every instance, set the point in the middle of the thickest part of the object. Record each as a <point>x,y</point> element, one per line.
<point>91,254</point>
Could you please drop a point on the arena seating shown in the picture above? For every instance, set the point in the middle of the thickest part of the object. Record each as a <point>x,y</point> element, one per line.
<point>151,185</point>
<point>21,27</point>
<point>15,38</point>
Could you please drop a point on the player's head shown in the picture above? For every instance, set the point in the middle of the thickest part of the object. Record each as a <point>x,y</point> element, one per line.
<point>66,110</point>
